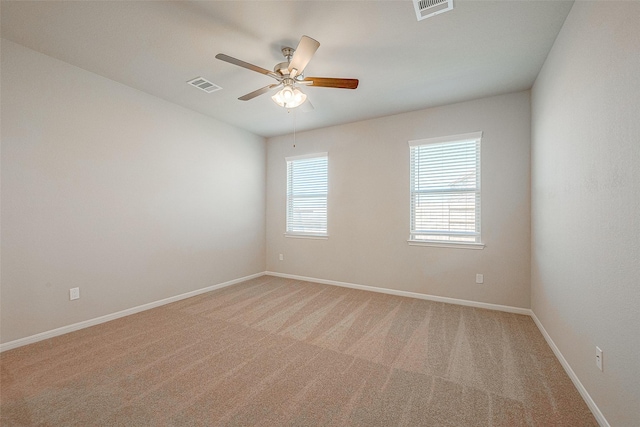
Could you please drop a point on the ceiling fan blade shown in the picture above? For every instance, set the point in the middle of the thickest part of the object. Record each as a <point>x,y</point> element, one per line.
<point>234,61</point>
<point>331,82</point>
<point>303,54</point>
<point>258,92</point>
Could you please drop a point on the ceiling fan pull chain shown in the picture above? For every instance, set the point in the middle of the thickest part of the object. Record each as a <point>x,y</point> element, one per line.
<point>294,128</point>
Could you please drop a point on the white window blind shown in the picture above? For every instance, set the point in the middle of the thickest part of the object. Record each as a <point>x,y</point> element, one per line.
<point>445,189</point>
<point>307,184</point>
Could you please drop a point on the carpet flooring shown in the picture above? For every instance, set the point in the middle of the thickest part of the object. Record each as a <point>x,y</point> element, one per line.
<point>281,352</point>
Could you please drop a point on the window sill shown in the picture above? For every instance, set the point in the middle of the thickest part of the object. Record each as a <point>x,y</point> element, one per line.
<point>446,245</point>
<point>307,236</point>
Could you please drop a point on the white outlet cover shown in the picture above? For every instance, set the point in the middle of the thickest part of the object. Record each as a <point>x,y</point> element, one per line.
<point>74,293</point>
<point>599,358</point>
<point>479,278</point>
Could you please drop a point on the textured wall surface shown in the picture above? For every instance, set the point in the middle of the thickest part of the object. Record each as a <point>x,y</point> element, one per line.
<point>124,195</point>
<point>586,201</point>
<point>368,213</point>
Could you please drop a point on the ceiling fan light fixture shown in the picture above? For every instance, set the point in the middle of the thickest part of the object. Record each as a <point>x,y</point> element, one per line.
<point>287,94</point>
<point>289,97</point>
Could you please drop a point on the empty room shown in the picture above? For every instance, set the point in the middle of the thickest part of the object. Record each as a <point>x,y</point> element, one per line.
<point>320,213</point>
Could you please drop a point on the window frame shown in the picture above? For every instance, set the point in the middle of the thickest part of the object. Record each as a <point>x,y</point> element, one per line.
<point>478,244</point>
<point>289,225</point>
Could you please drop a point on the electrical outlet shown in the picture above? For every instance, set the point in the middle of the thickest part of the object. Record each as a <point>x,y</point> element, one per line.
<point>74,293</point>
<point>599,358</point>
<point>281,257</point>
<point>479,278</point>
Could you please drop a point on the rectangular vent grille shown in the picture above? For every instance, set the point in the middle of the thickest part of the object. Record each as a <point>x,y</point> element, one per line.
<point>204,84</point>
<point>428,8</point>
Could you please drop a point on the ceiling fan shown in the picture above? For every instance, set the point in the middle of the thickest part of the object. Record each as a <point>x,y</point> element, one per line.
<point>290,75</point>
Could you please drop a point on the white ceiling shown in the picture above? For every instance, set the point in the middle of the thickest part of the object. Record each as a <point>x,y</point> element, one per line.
<point>479,49</point>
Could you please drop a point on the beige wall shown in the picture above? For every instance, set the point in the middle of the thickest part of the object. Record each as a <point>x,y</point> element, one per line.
<point>368,217</point>
<point>586,201</point>
<point>124,195</point>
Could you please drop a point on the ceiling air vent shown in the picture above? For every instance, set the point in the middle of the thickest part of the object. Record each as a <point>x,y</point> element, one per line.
<point>428,8</point>
<point>204,84</point>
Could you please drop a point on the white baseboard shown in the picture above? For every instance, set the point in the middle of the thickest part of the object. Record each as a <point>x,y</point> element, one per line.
<point>102,319</point>
<point>576,382</point>
<point>507,308</point>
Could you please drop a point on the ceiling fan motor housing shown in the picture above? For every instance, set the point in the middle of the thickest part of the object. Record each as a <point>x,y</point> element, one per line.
<point>282,68</point>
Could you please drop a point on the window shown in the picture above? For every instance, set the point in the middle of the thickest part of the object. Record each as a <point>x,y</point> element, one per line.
<point>307,195</point>
<point>445,190</point>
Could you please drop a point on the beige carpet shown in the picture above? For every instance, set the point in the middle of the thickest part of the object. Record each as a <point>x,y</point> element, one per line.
<point>280,352</point>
